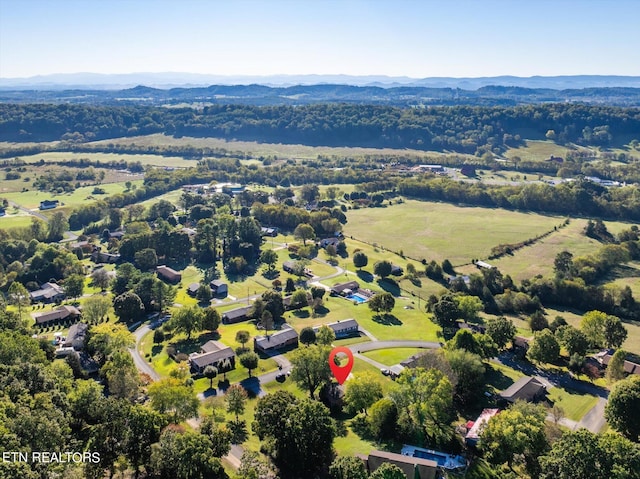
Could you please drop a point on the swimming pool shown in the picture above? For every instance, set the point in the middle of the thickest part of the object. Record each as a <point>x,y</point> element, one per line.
<point>357,297</point>
<point>446,461</point>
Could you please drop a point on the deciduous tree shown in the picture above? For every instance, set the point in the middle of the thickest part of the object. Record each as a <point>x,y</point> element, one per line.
<point>310,368</point>
<point>623,409</point>
<point>236,398</point>
<point>362,391</point>
<point>249,360</point>
<point>544,348</point>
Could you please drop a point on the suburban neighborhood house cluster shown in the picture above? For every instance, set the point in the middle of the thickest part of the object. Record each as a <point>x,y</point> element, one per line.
<point>186,298</point>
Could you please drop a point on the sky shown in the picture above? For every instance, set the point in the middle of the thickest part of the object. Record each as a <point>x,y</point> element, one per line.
<point>412,38</point>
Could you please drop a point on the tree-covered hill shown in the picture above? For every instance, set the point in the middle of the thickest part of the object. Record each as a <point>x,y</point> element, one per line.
<point>460,128</point>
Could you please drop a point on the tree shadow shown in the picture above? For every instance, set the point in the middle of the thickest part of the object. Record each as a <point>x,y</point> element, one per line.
<point>390,286</point>
<point>365,276</point>
<point>208,336</point>
<point>387,320</point>
<point>238,431</point>
<point>273,274</point>
<point>155,350</point>
<point>497,379</point>
<point>187,346</point>
<point>301,313</point>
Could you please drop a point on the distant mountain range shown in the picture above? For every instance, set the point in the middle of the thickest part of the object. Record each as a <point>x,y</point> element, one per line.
<point>259,95</point>
<point>96,81</point>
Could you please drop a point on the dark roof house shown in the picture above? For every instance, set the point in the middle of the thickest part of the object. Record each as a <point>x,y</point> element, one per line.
<point>342,329</point>
<point>62,313</point>
<point>526,388</point>
<point>48,293</point>
<point>219,288</point>
<point>286,337</point>
<point>169,274</point>
<point>76,336</point>
<point>339,289</point>
<point>213,353</point>
<point>412,467</point>
<point>49,204</point>
<point>192,289</point>
<point>235,315</point>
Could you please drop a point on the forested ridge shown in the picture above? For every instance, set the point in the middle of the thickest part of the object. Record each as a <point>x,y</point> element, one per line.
<point>462,129</point>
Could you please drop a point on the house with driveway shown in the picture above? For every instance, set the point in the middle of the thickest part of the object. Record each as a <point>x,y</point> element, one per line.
<point>213,353</point>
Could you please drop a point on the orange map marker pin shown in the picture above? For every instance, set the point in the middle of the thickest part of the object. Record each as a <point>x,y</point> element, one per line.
<point>341,373</point>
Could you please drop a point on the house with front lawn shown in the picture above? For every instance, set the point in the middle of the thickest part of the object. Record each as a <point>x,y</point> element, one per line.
<point>213,353</point>
<point>236,315</point>
<point>49,204</point>
<point>76,336</point>
<point>344,289</point>
<point>48,293</point>
<point>168,274</point>
<point>63,313</point>
<point>526,388</point>
<point>342,329</point>
<point>286,337</point>
<point>219,288</point>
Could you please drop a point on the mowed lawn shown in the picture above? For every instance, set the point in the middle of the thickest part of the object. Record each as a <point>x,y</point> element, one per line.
<point>31,199</point>
<point>392,356</point>
<point>437,231</point>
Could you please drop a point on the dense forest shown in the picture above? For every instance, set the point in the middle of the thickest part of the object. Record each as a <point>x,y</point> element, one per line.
<point>464,129</point>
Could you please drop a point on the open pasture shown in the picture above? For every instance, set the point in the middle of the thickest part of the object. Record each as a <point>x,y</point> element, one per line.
<point>253,148</point>
<point>539,150</point>
<point>144,159</point>
<point>440,230</point>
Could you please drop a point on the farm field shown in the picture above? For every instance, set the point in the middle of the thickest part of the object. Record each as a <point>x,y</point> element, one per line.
<point>440,230</point>
<point>263,149</point>
<point>32,199</point>
<point>145,159</point>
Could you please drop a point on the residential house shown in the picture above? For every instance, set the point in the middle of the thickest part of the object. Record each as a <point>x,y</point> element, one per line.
<point>412,467</point>
<point>630,367</point>
<point>76,336</point>
<point>342,329</point>
<point>396,270</point>
<point>213,353</point>
<point>268,231</point>
<point>60,314</point>
<point>193,289</point>
<point>476,429</point>
<point>100,257</point>
<point>116,235</point>
<point>49,204</point>
<point>286,302</point>
<point>48,293</point>
<point>289,266</point>
<point>235,315</point>
<point>168,274</point>
<point>219,288</point>
<point>286,337</point>
<point>323,243</point>
<point>474,328</point>
<point>343,289</point>
<point>526,388</point>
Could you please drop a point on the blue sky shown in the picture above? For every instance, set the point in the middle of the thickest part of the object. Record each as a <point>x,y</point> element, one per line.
<point>459,38</point>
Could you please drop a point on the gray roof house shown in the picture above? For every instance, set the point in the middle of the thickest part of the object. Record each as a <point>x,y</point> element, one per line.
<point>76,336</point>
<point>286,337</point>
<point>412,467</point>
<point>342,329</point>
<point>48,293</point>
<point>219,287</point>
<point>59,314</point>
<point>526,388</point>
<point>213,353</point>
<point>338,289</point>
<point>235,315</point>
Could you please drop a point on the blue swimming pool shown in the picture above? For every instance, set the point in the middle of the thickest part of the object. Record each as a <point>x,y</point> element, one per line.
<point>357,297</point>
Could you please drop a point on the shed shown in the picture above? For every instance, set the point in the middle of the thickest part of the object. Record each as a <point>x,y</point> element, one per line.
<point>193,289</point>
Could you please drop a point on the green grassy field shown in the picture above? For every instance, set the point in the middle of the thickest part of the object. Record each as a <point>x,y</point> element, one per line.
<point>440,230</point>
<point>31,199</point>
<point>538,150</point>
<point>146,160</point>
<point>392,356</point>
<point>15,220</point>
<point>263,149</point>
<point>575,405</point>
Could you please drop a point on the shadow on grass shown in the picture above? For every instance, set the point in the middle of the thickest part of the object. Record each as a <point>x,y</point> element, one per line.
<point>155,350</point>
<point>497,379</point>
<point>365,276</point>
<point>390,286</point>
<point>387,320</point>
<point>301,313</point>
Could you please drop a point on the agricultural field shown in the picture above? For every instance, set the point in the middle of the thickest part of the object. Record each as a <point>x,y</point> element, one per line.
<point>540,150</point>
<point>443,231</point>
<point>144,159</point>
